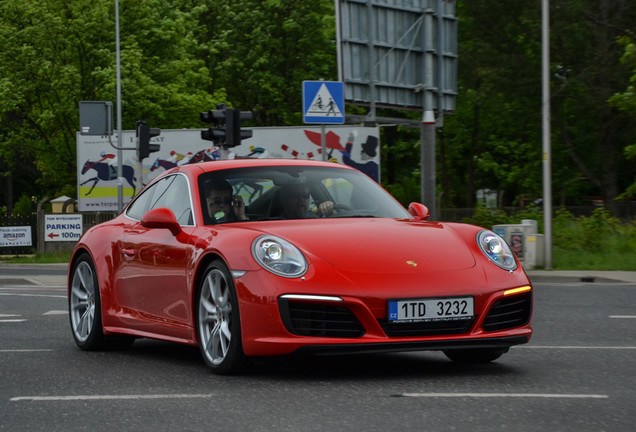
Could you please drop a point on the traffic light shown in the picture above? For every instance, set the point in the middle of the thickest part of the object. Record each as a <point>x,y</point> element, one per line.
<point>216,133</point>
<point>234,132</point>
<point>226,130</point>
<point>144,133</point>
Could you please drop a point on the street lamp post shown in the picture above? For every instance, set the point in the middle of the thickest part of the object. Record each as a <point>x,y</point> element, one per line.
<point>547,174</point>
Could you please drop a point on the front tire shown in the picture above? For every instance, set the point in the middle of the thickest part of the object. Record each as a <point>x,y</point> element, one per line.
<point>475,355</point>
<point>218,320</point>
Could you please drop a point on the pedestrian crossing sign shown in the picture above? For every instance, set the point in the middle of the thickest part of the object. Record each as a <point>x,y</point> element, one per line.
<point>323,102</point>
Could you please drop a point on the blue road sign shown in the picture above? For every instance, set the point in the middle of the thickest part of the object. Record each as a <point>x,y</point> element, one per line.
<point>323,102</point>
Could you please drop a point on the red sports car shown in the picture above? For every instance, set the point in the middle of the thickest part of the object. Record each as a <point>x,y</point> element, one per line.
<point>253,258</point>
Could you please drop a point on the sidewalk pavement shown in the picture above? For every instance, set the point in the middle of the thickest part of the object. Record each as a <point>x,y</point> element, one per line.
<point>33,274</point>
<point>581,276</point>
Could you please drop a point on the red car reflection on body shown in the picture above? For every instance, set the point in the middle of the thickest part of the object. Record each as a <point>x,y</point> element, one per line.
<point>253,258</point>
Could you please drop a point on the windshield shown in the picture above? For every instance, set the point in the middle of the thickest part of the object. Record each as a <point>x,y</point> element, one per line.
<point>293,192</point>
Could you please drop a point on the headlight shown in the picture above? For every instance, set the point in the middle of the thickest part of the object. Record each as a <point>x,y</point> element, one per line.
<point>279,256</point>
<point>496,249</point>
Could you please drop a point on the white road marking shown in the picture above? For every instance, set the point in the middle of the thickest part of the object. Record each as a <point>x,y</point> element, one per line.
<point>11,318</point>
<point>24,350</point>
<point>623,316</point>
<point>56,312</point>
<point>575,347</point>
<point>32,295</point>
<point>506,395</point>
<point>109,397</point>
<point>34,288</point>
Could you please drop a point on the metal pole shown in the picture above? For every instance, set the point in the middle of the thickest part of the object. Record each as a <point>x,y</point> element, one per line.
<point>323,142</point>
<point>371,116</point>
<point>427,163</point>
<point>338,42</point>
<point>427,130</point>
<point>440,64</point>
<point>120,153</point>
<point>547,170</point>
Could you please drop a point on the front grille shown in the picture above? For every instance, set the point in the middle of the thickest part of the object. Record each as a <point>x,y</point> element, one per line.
<point>308,319</point>
<point>509,312</point>
<point>427,328</point>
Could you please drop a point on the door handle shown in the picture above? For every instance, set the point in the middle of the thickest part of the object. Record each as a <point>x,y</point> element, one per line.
<point>128,252</point>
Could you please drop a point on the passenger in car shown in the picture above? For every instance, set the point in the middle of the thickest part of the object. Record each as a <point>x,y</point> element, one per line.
<point>222,205</point>
<point>295,201</point>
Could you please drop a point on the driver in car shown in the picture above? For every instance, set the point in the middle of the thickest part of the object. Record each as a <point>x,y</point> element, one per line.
<point>295,201</point>
<point>222,205</point>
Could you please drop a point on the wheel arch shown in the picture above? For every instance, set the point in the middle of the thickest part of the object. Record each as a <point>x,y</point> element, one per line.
<point>103,273</point>
<point>77,253</point>
<point>201,267</point>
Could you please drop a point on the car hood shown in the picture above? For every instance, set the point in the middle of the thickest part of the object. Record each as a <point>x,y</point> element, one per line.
<point>378,245</point>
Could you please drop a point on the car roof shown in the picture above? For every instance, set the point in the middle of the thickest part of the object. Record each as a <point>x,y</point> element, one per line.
<point>246,163</point>
<point>195,169</point>
<point>240,163</point>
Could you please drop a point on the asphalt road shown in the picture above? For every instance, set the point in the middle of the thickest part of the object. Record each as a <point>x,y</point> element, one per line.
<point>577,374</point>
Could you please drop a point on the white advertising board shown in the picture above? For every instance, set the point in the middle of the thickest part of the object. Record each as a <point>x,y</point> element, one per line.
<point>62,227</point>
<point>15,236</point>
<point>97,179</point>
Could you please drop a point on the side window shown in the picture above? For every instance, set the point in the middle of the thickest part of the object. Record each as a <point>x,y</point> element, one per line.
<point>175,196</point>
<point>143,202</point>
<point>171,192</point>
<point>137,209</point>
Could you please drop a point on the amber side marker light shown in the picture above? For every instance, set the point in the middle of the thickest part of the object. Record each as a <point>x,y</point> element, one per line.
<point>517,290</point>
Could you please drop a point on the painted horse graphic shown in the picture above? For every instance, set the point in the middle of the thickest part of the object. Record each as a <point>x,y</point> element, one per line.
<point>162,163</point>
<point>107,172</point>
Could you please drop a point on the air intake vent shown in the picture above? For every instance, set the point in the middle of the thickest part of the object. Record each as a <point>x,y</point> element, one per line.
<point>428,328</point>
<point>308,319</point>
<point>509,312</point>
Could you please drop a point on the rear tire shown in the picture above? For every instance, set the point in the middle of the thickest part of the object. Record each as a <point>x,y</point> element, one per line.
<point>85,310</point>
<point>218,320</point>
<point>84,305</point>
<point>475,355</point>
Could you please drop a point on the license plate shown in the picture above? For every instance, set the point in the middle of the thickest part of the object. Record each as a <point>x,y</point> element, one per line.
<point>430,309</point>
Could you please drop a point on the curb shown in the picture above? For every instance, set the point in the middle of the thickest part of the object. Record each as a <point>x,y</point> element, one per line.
<point>586,276</point>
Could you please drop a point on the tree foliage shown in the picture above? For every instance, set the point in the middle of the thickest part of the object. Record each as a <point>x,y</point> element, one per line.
<point>626,100</point>
<point>260,51</point>
<point>494,139</point>
<point>180,57</point>
<point>55,53</point>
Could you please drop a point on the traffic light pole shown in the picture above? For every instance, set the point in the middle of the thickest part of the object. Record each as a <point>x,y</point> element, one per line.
<point>120,154</point>
<point>140,175</point>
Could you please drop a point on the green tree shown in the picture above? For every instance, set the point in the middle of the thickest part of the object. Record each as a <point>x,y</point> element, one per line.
<point>180,57</point>
<point>626,100</point>
<point>55,53</point>
<point>586,73</point>
<point>493,140</point>
<point>260,51</point>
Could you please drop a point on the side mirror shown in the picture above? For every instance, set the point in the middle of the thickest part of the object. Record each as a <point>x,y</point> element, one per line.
<point>419,211</point>
<point>161,217</point>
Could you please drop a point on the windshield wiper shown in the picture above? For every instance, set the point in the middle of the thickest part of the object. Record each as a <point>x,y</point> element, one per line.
<point>353,216</point>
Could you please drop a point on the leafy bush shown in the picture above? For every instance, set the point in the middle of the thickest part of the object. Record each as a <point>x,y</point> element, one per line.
<point>598,241</point>
<point>406,191</point>
<point>487,217</point>
<point>24,207</point>
<point>598,232</point>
